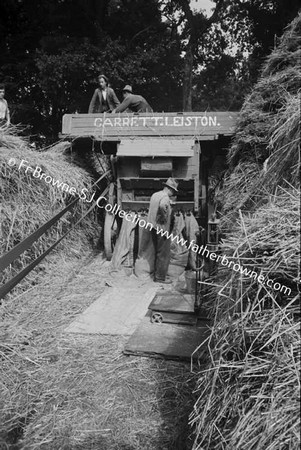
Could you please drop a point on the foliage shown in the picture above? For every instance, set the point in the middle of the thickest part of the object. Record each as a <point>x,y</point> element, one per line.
<point>222,85</point>
<point>242,31</point>
<point>66,44</point>
<point>52,51</point>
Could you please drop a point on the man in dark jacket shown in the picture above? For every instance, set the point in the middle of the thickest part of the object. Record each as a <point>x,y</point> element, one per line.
<point>132,102</point>
<point>104,98</point>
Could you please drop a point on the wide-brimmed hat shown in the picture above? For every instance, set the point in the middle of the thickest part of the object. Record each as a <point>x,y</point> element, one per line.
<point>104,77</point>
<point>172,183</point>
<point>127,88</point>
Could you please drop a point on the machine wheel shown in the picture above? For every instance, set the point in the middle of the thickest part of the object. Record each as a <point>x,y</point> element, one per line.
<point>156,318</point>
<point>110,234</point>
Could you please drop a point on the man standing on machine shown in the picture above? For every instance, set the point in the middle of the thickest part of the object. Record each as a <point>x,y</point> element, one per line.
<point>104,98</point>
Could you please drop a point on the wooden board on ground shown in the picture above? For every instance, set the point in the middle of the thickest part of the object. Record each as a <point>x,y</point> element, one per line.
<point>117,312</point>
<point>166,340</point>
<point>172,301</point>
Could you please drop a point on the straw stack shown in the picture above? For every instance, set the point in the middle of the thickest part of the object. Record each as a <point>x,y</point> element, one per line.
<point>27,202</point>
<point>280,81</point>
<point>248,396</point>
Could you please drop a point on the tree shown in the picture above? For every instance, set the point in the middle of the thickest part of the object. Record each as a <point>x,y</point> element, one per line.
<point>250,26</point>
<point>197,24</point>
<point>60,46</point>
<point>52,50</point>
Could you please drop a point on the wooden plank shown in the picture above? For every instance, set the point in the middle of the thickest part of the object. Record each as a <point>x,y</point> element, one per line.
<point>106,126</point>
<point>152,184</point>
<point>197,177</point>
<point>129,166</point>
<point>166,340</point>
<point>156,165</point>
<point>117,311</point>
<point>156,147</point>
<point>137,205</point>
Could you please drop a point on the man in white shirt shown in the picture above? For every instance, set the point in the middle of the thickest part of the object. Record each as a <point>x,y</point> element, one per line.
<point>4,111</point>
<point>104,98</point>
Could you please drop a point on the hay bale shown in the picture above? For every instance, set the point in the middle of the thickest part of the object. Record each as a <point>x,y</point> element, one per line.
<point>280,76</point>
<point>27,202</point>
<point>274,162</point>
<point>249,397</point>
<point>284,145</point>
<point>267,241</point>
<point>249,393</point>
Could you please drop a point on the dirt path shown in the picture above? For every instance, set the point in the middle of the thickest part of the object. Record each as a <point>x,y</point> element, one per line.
<point>65,391</point>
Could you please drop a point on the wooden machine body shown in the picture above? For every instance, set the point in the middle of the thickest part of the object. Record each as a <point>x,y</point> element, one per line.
<point>150,147</point>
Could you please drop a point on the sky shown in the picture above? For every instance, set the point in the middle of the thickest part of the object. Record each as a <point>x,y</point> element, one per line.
<point>207,5</point>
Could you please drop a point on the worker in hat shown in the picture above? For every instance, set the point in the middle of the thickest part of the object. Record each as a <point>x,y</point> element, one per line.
<point>154,243</point>
<point>104,98</point>
<point>132,102</point>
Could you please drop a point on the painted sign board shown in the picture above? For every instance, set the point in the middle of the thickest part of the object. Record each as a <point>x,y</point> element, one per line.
<point>106,125</point>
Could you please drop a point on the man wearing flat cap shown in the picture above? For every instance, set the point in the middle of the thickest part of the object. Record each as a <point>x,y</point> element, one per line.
<point>132,102</point>
<point>152,242</point>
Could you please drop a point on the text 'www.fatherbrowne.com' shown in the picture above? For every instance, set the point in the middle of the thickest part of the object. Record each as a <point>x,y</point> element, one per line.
<point>37,172</point>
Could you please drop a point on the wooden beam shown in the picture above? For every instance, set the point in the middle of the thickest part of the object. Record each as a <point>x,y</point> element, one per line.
<point>198,125</point>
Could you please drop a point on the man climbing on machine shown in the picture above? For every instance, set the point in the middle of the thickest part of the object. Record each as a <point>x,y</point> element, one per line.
<point>132,102</point>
